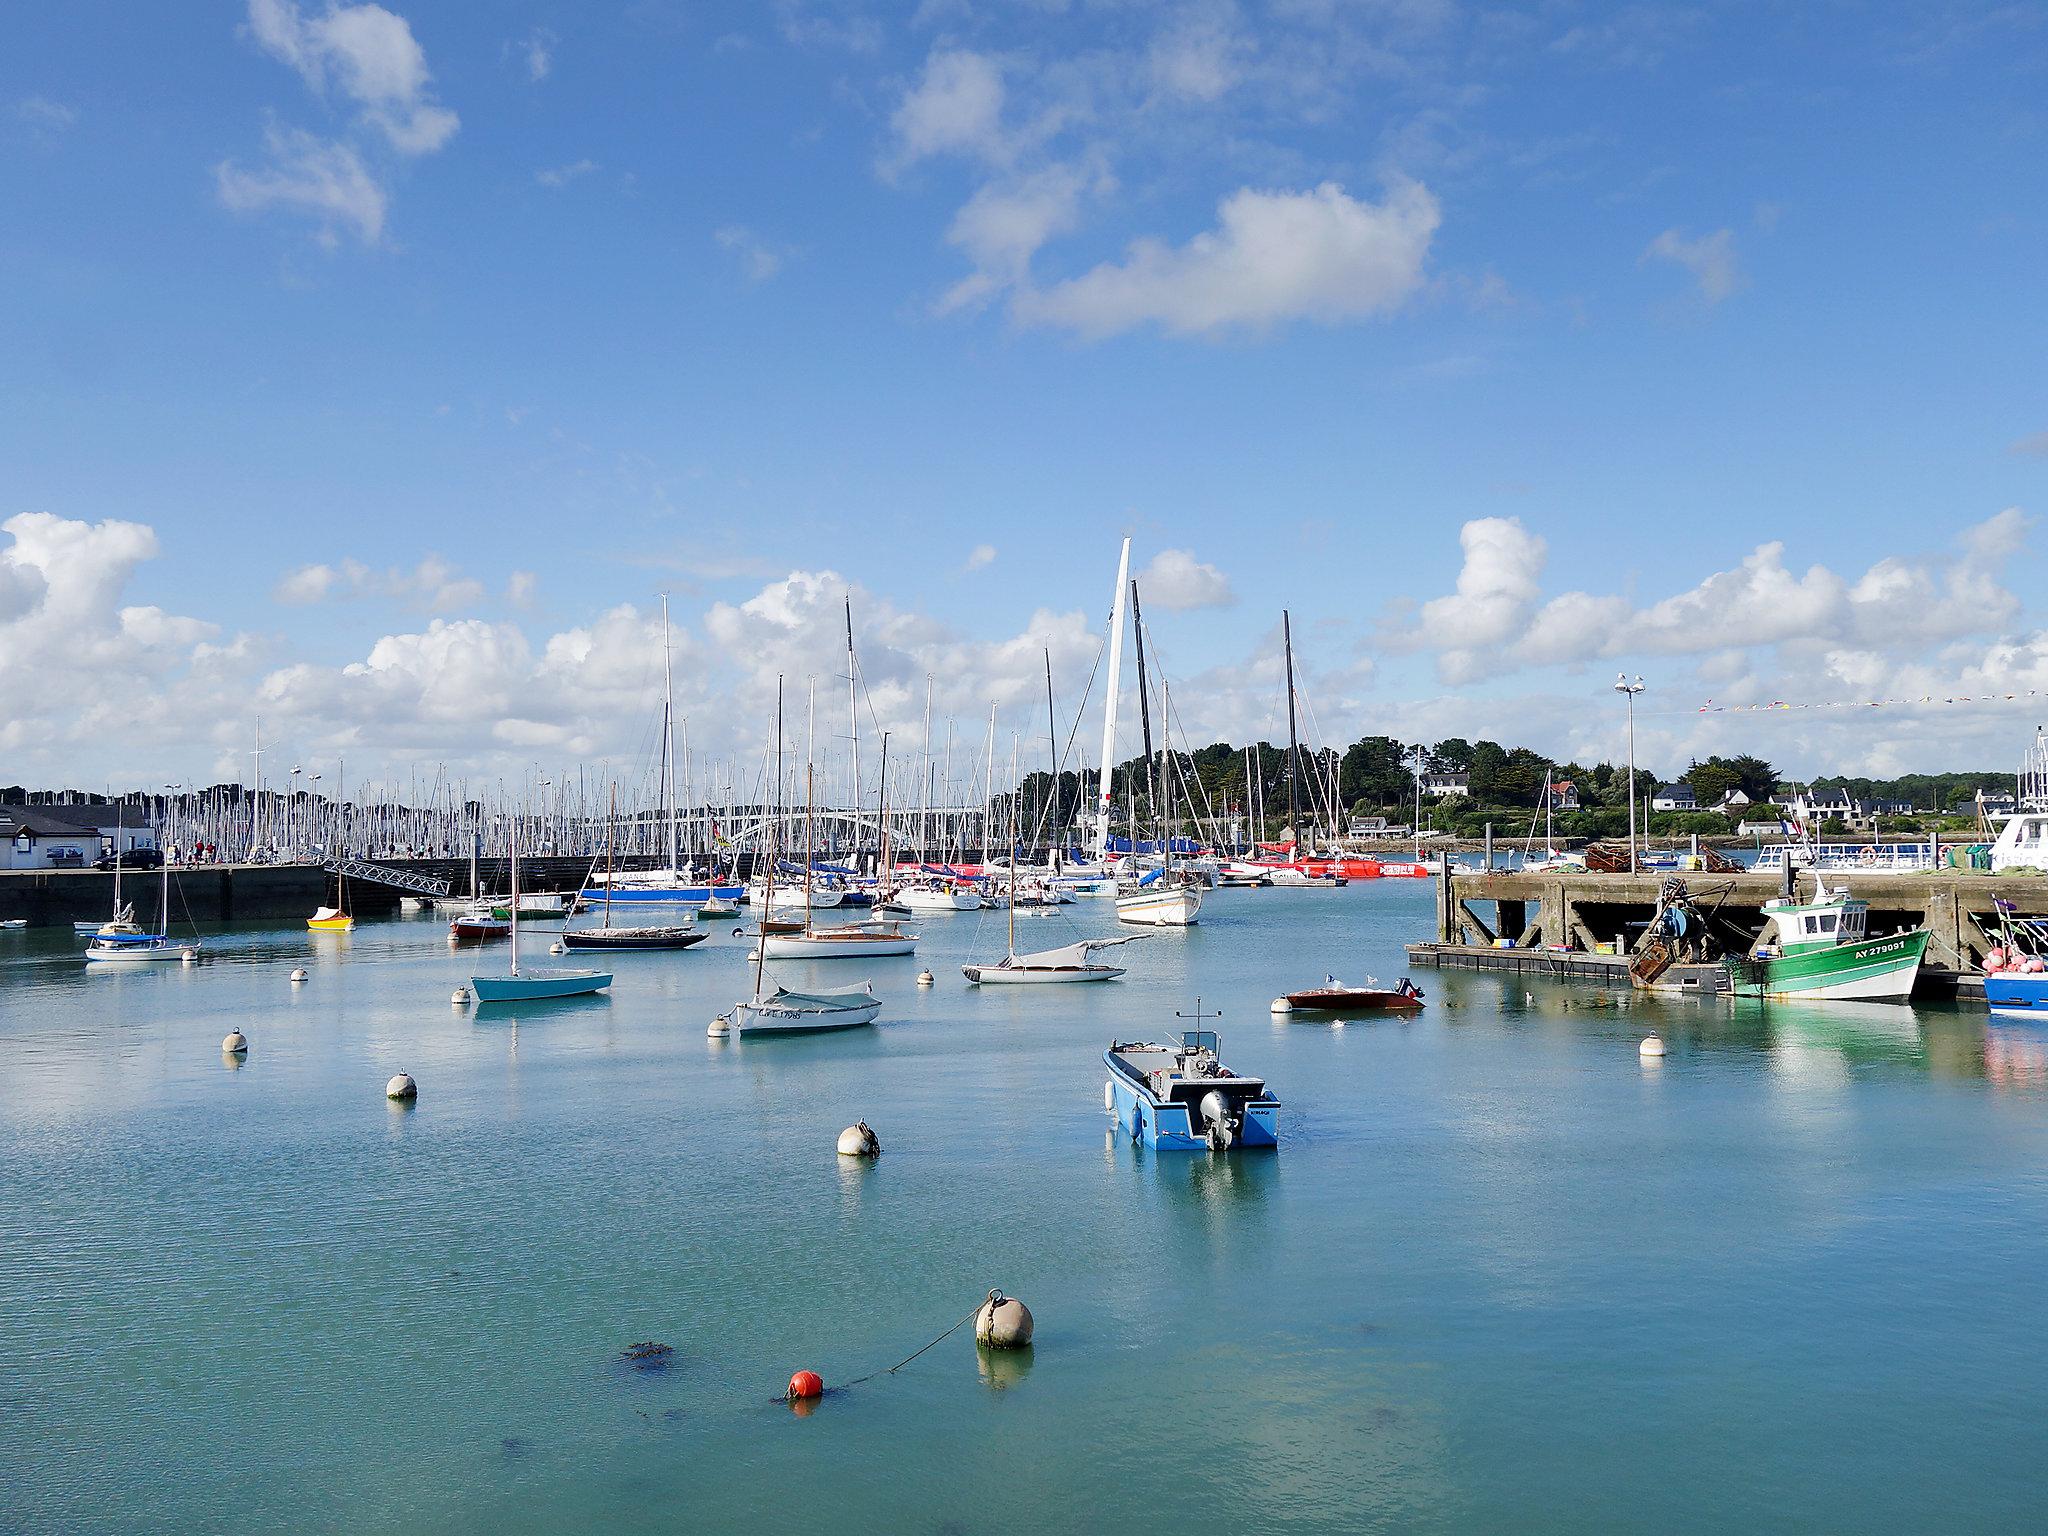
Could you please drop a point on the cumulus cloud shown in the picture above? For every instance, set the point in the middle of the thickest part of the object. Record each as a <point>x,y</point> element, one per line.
<point>1274,256</point>
<point>2035,447</point>
<point>1497,620</point>
<point>1197,58</point>
<point>1176,581</point>
<point>559,176</point>
<point>980,557</point>
<point>955,108</point>
<point>538,50</point>
<point>308,175</point>
<point>433,584</point>
<point>758,260</point>
<point>42,113</point>
<point>1709,258</point>
<point>367,53</point>
<point>1004,223</point>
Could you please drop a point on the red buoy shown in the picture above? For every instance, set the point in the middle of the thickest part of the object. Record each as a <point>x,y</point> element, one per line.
<point>805,1385</point>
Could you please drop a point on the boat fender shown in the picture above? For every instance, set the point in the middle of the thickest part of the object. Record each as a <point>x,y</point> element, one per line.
<point>1003,1322</point>
<point>859,1140</point>
<point>1108,1097</point>
<point>236,1044</point>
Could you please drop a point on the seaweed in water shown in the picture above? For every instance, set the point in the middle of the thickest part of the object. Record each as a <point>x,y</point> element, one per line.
<point>515,1446</point>
<point>647,1355</point>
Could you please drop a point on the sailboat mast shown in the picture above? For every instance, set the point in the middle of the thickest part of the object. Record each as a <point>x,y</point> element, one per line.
<point>988,787</point>
<point>1052,759</point>
<point>853,722</point>
<point>882,844</point>
<point>774,829</point>
<point>668,735</point>
<point>1293,740</point>
<point>924,812</point>
<point>809,770</point>
<point>611,822</point>
<point>1116,668</point>
<point>513,850</point>
<point>1145,717</point>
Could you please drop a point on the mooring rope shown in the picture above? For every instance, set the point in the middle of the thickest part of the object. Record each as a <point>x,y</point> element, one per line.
<point>993,1296</point>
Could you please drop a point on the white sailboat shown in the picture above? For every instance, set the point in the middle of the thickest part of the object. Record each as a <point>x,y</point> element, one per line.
<point>854,941</point>
<point>782,1011</point>
<point>1068,963</point>
<point>1158,898</point>
<point>124,943</point>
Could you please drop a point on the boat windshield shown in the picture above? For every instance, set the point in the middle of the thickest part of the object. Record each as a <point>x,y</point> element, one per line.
<point>1202,1040</point>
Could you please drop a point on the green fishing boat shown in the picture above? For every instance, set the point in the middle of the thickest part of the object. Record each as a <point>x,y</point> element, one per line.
<point>1823,950</point>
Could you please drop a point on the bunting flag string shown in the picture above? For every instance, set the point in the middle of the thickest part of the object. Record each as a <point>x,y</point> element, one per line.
<point>1712,708</point>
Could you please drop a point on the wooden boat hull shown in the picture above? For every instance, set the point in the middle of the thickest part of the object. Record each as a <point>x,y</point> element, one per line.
<point>1869,970</point>
<point>476,929</point>
<point>1354,1000</point>
<point>538,985</point>
<point>831,946</point>
<point>1176,908</point>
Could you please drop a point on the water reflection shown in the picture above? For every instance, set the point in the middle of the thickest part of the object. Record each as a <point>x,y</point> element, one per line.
<point>2015,1056</point>
<point>1001,1369</point>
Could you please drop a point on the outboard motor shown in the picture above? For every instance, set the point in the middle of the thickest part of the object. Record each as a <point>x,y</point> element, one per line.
<point>1216,1117</point>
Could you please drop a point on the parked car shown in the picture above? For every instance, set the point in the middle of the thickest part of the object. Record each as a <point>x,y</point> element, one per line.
<point>134,858</point>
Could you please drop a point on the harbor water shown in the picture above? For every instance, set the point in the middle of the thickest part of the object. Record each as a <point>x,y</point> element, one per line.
<point>1502,1273</point>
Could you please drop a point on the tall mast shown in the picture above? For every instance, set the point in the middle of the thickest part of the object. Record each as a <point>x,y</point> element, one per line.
<point>512,848</point>
<point>1116,668</point>
<point>853,722</point>
<point>774,828</point>
<point>1293,741</point>
<point>988,787</point>
<point>882,836</point>
<point>1145,716</point>
<point>1052,758</point>
<point>611,821</point>
<point>924,812</point>
<point>668,736</point>
<point>809,770</point>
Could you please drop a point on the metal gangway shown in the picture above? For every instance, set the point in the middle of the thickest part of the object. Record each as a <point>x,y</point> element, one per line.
<point>384,874</point>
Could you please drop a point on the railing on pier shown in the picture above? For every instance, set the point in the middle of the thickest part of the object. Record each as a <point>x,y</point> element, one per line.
<point>384,874</point>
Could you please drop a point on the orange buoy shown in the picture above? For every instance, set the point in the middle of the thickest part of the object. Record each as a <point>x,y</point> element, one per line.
<point>805,1385</point>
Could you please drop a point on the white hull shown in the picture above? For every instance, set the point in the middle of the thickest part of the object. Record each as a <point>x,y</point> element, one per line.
<point>1886,987</point>
<point>793,900</point>
<point>136,954</point>
<point>1177,908</point>
<point>1026,975</point>
<point>923,899</point>
<point>829,946</point>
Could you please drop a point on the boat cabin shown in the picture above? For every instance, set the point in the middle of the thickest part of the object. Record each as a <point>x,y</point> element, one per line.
<point>2022,843</point>
<point>1831,918</point>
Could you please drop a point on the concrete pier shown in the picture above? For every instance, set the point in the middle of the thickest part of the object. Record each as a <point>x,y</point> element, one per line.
<point>1579,923</point>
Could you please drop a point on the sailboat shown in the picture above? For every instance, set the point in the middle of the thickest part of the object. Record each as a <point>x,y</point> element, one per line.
<point>1157,898</point>
<point>477,921</point>
<point>1070,962</point>
<point>121,928</point>
<point>646,936</point>
<point>139,946</point>
<point>854,940</point>
<point>673,885</point>
<point>783,1012</point>
<point>519,986</point>
<point>334,919</point>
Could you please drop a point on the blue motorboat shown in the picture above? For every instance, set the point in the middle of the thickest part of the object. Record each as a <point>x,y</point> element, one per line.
<point>1181,1098</point>
<point>2014,979</point>
<point>2017,991</point>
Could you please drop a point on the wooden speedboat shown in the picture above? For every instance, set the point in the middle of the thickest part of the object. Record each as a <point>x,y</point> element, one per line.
<point>854,941</point>
<point>1334,997</point>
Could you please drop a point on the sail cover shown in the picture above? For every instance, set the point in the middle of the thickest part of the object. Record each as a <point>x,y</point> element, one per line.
<point>1067,956</point>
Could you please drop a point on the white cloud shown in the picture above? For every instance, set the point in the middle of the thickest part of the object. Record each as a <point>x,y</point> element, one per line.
<point>520,588</point>
<point>559,176</point>
<point>2035,447</point>
<point>1275,256</point>
<point>1497,621</point>
<point>539,53</point>
<point>1176,581</point>
<point>312,176</point>
<point>956,108</point>
<point>45,113</point>
<point>1709,258</point>
<point>1197,59</point>
<point>371,56</point>
<point>1004,223</point>
<point>980,557</point>
<point>433,585</point>
<point>758,260</point>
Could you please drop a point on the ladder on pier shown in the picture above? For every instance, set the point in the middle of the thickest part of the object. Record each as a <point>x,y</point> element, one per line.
<point>385,874</point>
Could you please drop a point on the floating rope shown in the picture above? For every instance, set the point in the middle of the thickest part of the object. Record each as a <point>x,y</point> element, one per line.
<point>993,1296</point>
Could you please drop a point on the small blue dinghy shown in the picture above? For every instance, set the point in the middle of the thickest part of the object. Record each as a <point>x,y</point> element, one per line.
<point>1181,1098</point>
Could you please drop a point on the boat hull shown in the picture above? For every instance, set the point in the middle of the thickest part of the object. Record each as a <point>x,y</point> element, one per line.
<point>1168,1126</point>
<point>1869,970</point>
<point>2017,992</point>
<point>135,954</point>
<point>824,946</point>
<point>1028,975</point>
<point>1353,1000</point>
<point>1176,908</point>
<point>674,895</point>
<point>631,938</point>
<point>809,1014</point>
<point>331,924</point>
<point>538,985</point>
<point>478,928</point>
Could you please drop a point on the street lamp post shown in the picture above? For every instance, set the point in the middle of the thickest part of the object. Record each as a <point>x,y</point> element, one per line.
<point>1623,685</point>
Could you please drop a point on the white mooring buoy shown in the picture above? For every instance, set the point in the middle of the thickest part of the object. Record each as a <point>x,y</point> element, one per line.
<point>1003,1322</point>
<point>924,978</point>
<point>298,975</point>
<point>1651,1046</point>
<point>555,948</point>
<point>188,955</point>
<point>236,1044</point>
<point>459,996</point>
<point>859,1141</point>
<point>1281,1005</point>
<point>402,1087</point>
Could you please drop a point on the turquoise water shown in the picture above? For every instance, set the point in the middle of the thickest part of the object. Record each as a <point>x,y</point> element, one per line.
<point>1501,1274</point>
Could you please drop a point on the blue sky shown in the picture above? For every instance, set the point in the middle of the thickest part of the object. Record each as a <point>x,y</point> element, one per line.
<point>427,343</point>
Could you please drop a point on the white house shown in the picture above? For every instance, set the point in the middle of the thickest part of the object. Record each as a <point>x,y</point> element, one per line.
<point>1674,797</point>
<point>31,838</point>
<point>1734,800</point>
<point>1435,782</point>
